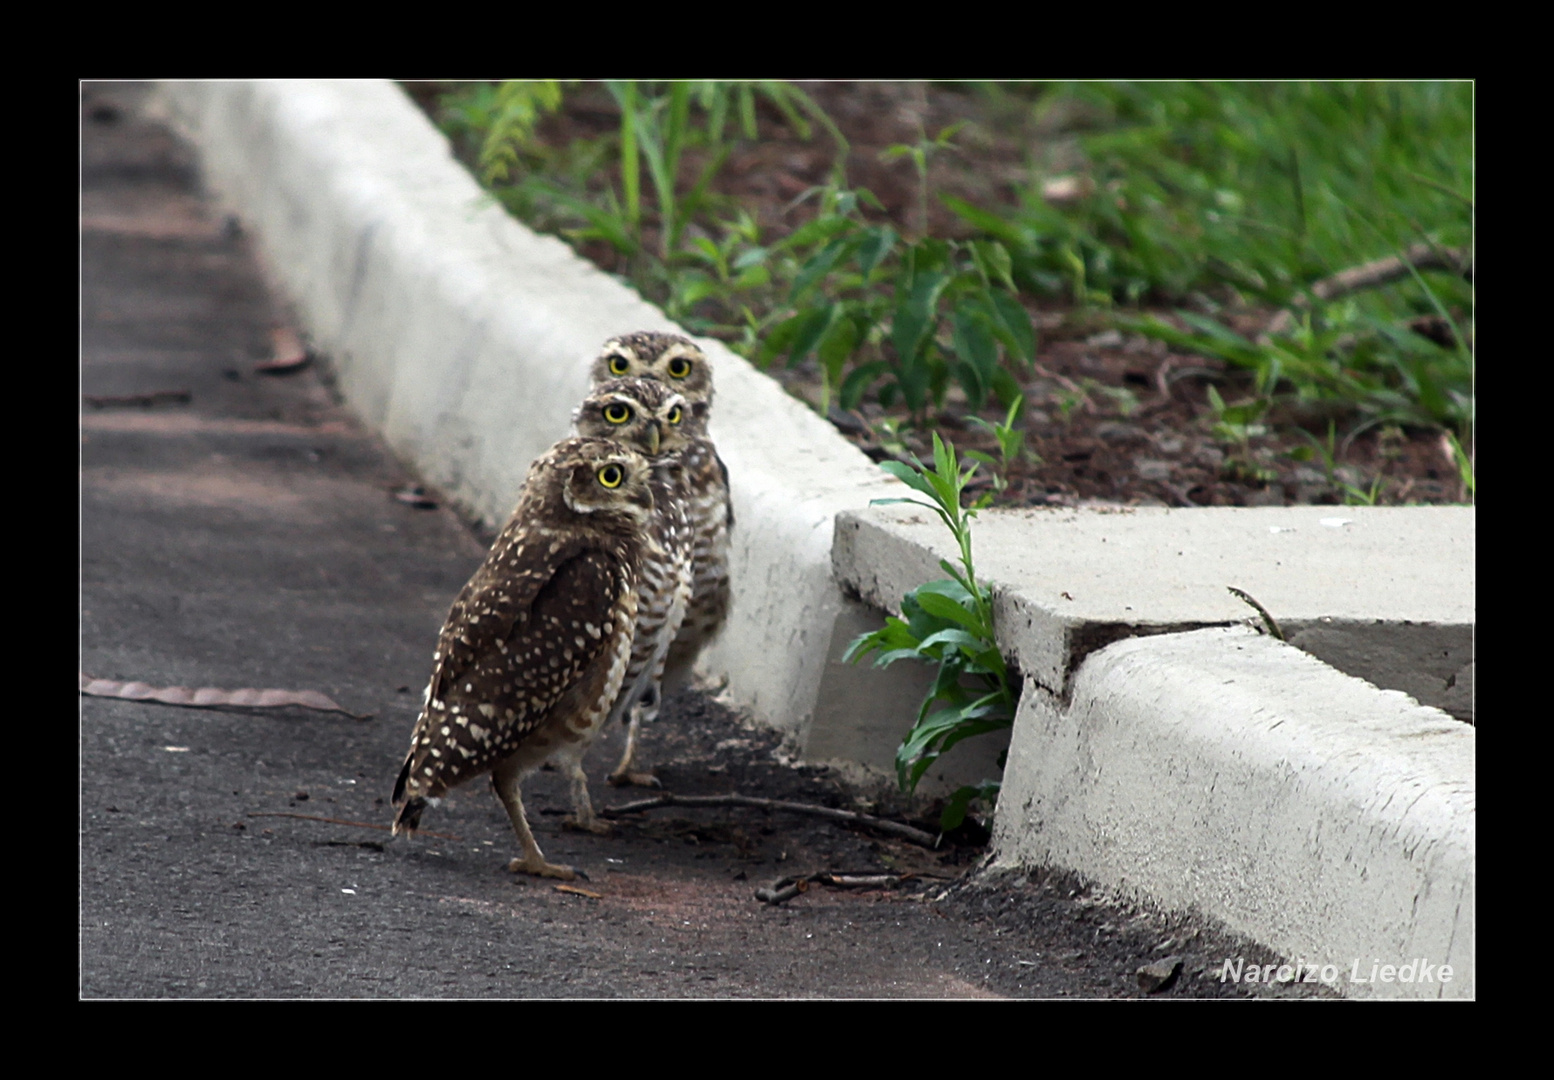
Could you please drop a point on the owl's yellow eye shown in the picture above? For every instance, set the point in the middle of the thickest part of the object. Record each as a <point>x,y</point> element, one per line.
<point>679,367</point>
<point>619,365</point>
<point>611,476</point>
<point>616,413</point>
<point>675,415</point>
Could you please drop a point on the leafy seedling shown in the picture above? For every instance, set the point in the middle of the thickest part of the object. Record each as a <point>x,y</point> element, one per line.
<point>948,623</point>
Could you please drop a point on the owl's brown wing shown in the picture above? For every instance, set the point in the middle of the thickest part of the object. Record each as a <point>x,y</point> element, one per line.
<point>520,634</point>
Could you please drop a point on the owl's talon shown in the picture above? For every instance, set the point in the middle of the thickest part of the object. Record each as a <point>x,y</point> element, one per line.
<point>541,868</point>
<point>597,827</point>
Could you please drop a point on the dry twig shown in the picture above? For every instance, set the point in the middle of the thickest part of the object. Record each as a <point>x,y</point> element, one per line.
<point>851,817</point>
<point>789,887</point>
<point>1372,275</point>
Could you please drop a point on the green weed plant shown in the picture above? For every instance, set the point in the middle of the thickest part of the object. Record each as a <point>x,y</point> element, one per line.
<point>947,623</point>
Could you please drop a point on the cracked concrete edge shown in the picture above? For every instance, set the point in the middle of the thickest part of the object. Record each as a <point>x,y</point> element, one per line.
<point>876,560</point>
<point>465,340</point>
<point>1228,773</point>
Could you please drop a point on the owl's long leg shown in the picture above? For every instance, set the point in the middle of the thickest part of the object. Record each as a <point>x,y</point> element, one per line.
<point>582,816</point>
<point>647,708</point>
<point>505,779</point>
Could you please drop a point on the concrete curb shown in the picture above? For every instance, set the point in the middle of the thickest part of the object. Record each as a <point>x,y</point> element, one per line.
<point>465,340</point>
<point>1228,772</point>
<point>1166,750</point>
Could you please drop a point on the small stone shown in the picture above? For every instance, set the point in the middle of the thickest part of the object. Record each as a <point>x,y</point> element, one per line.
<point>1120,434</point>
<point>1106,339</point>
<point>846,421</point>
<point>1210,457</point>
<point>1159,976</point>
<point>1152,469</point>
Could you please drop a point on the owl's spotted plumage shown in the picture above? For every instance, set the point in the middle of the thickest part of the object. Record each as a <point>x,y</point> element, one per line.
<point>680,364</point>
<point>652,419</point>
<point>535,648</point>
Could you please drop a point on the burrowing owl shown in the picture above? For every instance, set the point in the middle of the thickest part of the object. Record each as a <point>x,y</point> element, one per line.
<point>651,418</point>
<point>680,364</point>
<point>533,652</point>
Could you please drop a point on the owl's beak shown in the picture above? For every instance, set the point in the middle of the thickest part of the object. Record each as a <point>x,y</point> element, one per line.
<point>653,439</point>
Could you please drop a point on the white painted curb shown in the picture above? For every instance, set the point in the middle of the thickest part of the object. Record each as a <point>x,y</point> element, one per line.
<point>1228,772</point>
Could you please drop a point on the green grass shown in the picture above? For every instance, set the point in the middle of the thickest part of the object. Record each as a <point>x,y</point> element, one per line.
<point>1231,196</point>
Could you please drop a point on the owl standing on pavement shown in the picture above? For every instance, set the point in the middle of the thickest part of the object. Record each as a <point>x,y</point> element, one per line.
<point>533,653</point>
<point>678,363</point>
<point>654,420</point>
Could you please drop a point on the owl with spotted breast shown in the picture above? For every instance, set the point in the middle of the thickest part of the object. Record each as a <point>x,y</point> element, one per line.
<point>655,420</point>
<point>536,646</point>
<point>679,363</point>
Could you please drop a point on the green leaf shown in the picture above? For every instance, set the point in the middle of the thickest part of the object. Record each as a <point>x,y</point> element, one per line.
<point>779,339</point>
<point>818,267</point>
<point>988,222</point>
<point>815,323</point>
<point>858,380</point>
<point>753,277</point>
<point>836,345</point>
<point>1015,322</point>
<point>820,229</point>
<point>875,246</point>
<point>916,314</point>
<point>752,257</point>
<point>994,258</point>
<point>974,344</point>
<point>908,475</point>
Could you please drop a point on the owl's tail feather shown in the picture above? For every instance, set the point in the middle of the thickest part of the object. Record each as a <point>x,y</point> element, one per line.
<point>402,780</point>
<point>409,817</point>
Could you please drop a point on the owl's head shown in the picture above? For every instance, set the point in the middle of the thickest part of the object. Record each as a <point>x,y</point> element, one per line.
<point>647,354</point>
<point>596,477</point>
<point>648,416</point>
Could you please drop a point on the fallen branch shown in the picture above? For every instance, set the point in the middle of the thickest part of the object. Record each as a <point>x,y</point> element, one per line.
<point>851,817</point>
<point>1066,383</point>
<point>209,697</point>
<point>1372,275</point>
<point>342,821</point>
<point>789,887</point>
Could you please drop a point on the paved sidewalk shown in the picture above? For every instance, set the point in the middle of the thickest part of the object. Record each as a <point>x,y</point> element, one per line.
<point>239,530</point>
